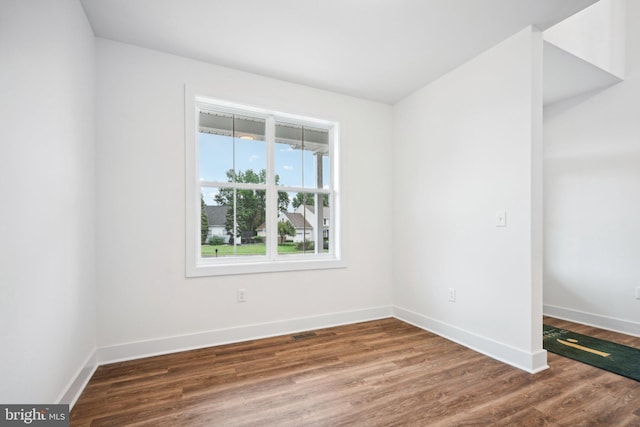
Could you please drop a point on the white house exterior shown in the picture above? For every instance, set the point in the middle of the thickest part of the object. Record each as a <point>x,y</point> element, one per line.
<point>309,212</point>
<point>304,229</point>
<point>217,216</point>
<point>302,220</point>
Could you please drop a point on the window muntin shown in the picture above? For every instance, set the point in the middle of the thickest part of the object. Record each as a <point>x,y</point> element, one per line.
<point>252,164</point>
<point>302,156</point>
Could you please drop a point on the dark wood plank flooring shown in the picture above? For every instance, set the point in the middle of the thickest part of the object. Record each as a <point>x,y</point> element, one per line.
<point>379,373</point>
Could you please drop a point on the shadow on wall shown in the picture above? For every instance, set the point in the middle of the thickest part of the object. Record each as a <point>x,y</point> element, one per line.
<point>557,108</point>
<point>592,206</point>
<point>571,292</point>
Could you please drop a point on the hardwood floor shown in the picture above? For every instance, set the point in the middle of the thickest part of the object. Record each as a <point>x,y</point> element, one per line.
<point>379,373</point>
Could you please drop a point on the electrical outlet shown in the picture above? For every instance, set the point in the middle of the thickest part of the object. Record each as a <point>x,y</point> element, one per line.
<point>501,219</point>
<point>452,295</point>
<point>242,295</point>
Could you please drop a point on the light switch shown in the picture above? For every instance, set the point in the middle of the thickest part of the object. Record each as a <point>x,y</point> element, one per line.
<point>501,218</point>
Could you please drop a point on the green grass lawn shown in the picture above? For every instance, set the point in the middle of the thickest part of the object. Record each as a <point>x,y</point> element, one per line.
<point>288,248</point>
<point>247,249</point>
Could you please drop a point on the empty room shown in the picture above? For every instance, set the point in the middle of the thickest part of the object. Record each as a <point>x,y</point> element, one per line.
<point>304,213</point>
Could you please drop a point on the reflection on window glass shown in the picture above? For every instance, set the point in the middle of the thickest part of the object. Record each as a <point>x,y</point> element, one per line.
<point>302,155</point>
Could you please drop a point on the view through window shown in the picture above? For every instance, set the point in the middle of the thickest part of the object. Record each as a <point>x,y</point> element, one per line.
<point>266,186</point>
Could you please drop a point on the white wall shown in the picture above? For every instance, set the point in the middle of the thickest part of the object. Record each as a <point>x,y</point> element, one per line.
<point>47,274</point>
<point>143,293</point>
<point>466,146</point>
<point>592,201</point>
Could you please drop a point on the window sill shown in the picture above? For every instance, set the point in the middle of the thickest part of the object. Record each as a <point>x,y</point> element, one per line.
<point>267,266</point>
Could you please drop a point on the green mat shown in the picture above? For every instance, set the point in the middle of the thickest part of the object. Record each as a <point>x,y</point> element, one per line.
<point>607,355</point>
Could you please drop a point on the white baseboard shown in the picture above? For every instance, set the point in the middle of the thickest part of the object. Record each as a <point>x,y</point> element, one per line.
<point>529,362</point>
<point>140,349</point>
<point>79,382</point>
<point>596,320</point>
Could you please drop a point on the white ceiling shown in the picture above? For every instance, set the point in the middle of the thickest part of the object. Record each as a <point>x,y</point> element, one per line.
<point>374,49</point>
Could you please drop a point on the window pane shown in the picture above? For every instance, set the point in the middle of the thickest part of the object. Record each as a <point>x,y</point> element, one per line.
<point>300,153</point>
<point>297,224</point>
<point>225,210</point>
<point>250,148</point>
<point>288,155</point>
<point>230,145</point>
<point>216,157</point>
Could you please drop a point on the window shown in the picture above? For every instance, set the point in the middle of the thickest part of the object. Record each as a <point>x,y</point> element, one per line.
<point>262,190</point>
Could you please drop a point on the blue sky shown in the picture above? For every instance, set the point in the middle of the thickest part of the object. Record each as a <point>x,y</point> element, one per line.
<point>217,157</point>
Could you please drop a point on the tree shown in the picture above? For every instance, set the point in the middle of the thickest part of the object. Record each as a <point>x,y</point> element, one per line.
<point>308,199</point>
<point>204,222</point>
<point>249,204</point>
<point>285,228</point>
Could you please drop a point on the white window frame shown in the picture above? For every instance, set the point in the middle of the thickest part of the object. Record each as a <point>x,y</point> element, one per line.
<point>196,265</point>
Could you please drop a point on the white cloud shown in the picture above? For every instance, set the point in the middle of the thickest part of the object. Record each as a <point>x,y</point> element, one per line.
<point>287,167</point>
<point>253,158</point>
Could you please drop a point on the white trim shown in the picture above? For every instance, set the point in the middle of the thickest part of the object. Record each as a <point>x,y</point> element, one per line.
<point>79,382</point>
<point>255,265</point>
<point>335,212</point>
<point>301,190</point>
<point>529,362</point>
<point>237,185</point>
<point>603,322</point>
<point>271,215</point>
<point>271,261</point>
<point>191,156</point>
<point>155,347</point>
